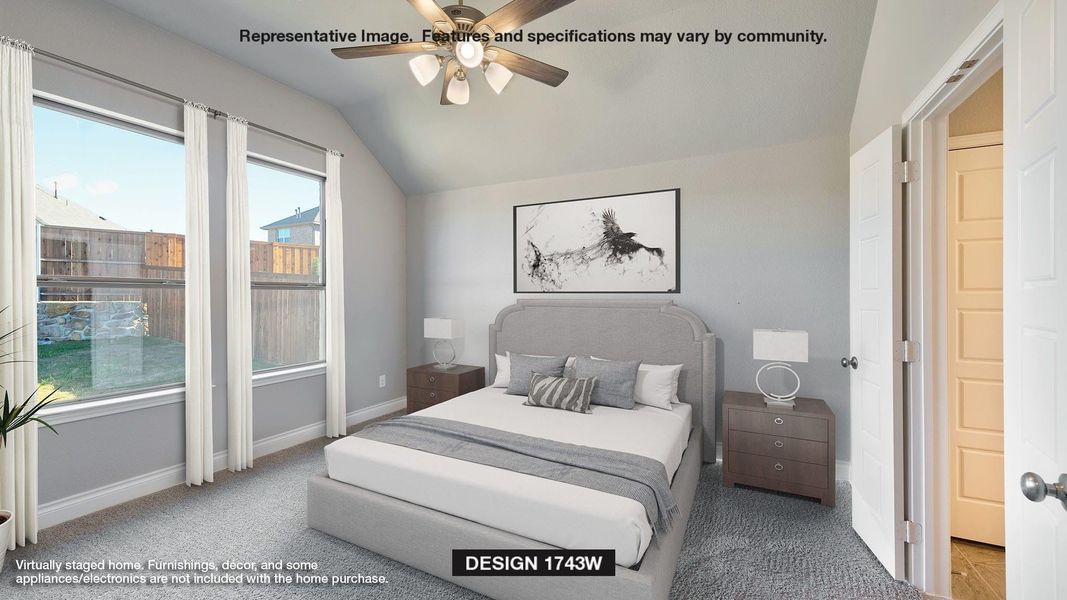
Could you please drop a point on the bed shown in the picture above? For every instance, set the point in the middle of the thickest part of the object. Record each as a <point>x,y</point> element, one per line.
<point>416,507</point>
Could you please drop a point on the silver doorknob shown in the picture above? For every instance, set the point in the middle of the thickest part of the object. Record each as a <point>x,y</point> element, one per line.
<point>850,362</point>
<point>1035,489</point>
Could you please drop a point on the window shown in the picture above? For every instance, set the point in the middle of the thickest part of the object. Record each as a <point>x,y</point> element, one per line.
<point>288,284</point>
<point>111,239</point>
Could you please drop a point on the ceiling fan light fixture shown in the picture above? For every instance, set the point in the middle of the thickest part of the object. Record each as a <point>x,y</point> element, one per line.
<point>425,68</point>
<point>498,76</point>
<point>470,54</point>
<point>459,91</point>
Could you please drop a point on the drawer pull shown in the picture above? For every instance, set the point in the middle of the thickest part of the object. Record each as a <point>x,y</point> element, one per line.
<point>433,394</point>
<point>779,420</point>
<point>779,443</point>
<point>433,379</point>
<point>778,467</point>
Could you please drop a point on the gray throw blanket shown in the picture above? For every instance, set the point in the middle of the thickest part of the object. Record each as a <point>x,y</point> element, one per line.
<point>618,473</point>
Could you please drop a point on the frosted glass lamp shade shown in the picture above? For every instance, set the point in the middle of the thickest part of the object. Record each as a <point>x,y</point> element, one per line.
<point>780,345</point>
<point>442,329</point>
<point>459,91</point>
<point>425,68</point>
<point>470,54</point>
<point>498,76</point>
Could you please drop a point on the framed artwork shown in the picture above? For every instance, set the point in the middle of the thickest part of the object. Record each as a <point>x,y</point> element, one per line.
<point>611,244</point>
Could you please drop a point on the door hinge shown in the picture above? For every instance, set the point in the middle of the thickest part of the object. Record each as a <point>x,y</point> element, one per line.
<point>906,351</point>
<point>910,532</point>
<point>906,172</point>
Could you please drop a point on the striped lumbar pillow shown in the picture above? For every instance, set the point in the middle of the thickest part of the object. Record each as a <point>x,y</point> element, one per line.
<point>559,392</point>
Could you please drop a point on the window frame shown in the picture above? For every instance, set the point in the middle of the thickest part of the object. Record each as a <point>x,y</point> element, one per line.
<point>106,117</point>
<point>291,169</point>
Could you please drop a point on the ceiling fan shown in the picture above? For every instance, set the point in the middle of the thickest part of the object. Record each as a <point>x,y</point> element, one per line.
<point>463,42</point>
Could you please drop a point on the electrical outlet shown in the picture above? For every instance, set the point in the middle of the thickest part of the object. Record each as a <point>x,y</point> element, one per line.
<point>381,381</point>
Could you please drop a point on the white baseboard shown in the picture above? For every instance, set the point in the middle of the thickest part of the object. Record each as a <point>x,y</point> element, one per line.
<point>843,466</point>
<point>83,503</point>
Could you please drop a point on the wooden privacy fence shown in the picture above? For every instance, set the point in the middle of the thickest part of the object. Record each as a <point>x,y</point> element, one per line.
<point>82,252</point>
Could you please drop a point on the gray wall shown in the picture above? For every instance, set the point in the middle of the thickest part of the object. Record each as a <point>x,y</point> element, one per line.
<point>92,453</point>
<point>910,41</point>
<point>764,237</point>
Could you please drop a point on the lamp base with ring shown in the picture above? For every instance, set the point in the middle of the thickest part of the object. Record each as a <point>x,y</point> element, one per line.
<point>778,400</point>
<point>444,365</point>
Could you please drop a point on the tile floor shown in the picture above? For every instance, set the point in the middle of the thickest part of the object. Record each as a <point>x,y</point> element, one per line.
<point>977,571</point>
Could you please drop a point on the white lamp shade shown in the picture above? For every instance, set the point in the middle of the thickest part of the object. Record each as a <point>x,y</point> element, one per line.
<point>425,68</point>
<point>459,91</point>
<point>442,329</point>
<point>780,345</point>
<point>470,54</point>
<point>498,76</point>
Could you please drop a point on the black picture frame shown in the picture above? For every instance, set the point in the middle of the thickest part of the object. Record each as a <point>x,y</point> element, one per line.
<point>677,207</point>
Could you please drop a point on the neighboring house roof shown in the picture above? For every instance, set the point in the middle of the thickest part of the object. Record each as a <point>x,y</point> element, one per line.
<point>64,212</point>
<point>307,217</point>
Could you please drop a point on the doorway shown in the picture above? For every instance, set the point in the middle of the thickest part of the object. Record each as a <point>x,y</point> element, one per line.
<point>973,372</point>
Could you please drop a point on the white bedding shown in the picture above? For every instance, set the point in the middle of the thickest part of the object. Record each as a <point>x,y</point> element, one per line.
<point>559,514</point>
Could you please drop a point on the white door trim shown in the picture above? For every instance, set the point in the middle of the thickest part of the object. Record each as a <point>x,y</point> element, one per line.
<point>976,140</point>
<point>926,140</point>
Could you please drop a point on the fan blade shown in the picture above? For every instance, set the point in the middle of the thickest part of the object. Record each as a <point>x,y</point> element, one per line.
<point>528,67</point>
<point>517,13</point>
<point>450,71</point>
<point>432,12</point>
<point>383,50</point>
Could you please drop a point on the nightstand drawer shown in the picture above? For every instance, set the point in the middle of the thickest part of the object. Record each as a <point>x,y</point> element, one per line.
<point>433,381</point>
<point>428,397</point>
<point>780,447</point>
<point>778,423</point>
<point>778,469</point>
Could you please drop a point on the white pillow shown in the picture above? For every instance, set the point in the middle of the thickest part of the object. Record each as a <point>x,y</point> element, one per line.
<point>657,385</point>
<point>503,369</point>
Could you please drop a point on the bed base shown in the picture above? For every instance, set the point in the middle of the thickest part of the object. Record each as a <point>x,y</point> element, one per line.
<point>424,538</point>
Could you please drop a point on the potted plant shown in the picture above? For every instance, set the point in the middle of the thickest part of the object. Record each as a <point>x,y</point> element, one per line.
<point>14,416</point>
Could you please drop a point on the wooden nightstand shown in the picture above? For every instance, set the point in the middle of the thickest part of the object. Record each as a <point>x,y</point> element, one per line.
<point>778,448</point>
<point>428,385</point>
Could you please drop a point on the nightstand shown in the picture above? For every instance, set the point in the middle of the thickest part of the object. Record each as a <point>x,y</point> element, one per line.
<point>428,385</point>
<point>778,448</point>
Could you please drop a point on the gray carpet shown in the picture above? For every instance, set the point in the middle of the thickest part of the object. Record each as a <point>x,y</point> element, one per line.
<point>741,543</point>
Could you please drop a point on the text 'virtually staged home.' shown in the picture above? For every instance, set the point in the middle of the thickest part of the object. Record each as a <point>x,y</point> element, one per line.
<point>533,300</point>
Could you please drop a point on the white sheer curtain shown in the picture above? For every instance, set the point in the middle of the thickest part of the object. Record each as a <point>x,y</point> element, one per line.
<point>199,451</point>
<point>18,284</point>
<point>336,412</point>
<point>238,299</point>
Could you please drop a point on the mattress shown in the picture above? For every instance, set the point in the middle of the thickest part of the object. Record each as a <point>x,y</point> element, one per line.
<point>555,513</point>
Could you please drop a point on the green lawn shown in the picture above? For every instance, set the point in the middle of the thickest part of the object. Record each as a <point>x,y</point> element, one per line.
<point>92,368</point>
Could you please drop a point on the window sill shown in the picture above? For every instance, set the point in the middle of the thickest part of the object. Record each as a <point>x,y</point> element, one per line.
<point>79,411</point>
<point>282,375</point>
<point>92,409</point>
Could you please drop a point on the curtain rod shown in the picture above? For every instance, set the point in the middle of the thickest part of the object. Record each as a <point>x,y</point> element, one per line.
<point>215,113</point>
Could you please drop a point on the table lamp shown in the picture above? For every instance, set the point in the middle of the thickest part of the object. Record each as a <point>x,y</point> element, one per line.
<point>443,330</point>
<point>781,347</point>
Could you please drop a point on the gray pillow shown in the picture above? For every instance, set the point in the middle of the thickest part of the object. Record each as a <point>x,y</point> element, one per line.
<point>615,380</point>
<point>523,367</point>
<point>560,392</point>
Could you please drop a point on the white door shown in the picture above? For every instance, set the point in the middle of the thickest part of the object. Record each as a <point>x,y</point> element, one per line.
<point>1035,294</point>
<point>875,235</point>
<point>976,343</point>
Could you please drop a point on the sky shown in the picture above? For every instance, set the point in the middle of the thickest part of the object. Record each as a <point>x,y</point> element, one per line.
<point>138,180</point>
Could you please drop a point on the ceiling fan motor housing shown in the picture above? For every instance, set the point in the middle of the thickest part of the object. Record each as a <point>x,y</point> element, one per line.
<point>464,16</point>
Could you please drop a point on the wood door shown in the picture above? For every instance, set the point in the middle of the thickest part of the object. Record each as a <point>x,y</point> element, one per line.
<point>1035,292</point>
<point>975,292</point>
<point>877,423</point>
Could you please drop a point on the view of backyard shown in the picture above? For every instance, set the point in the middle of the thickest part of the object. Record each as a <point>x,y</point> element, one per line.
<point>111,299</point>
<point>96,368</point>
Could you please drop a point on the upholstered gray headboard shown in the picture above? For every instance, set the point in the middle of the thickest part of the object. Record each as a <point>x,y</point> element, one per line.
<point>653,331</point>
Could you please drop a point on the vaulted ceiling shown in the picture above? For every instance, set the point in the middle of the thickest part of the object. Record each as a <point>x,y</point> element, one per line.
<point>623,104</point>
